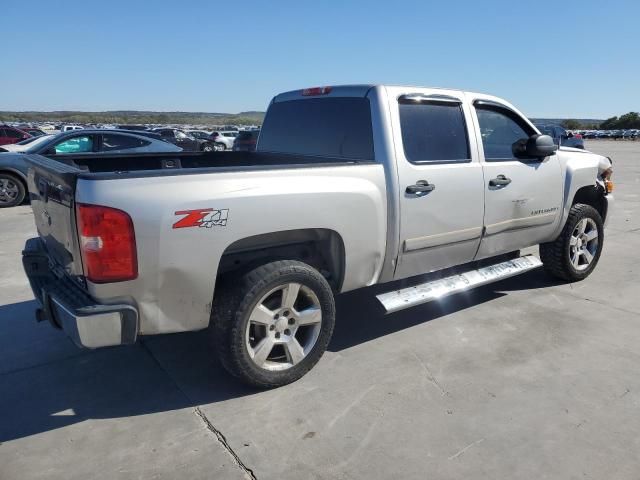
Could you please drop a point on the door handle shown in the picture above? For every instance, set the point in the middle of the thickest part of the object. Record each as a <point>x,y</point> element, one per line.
<point>499,181</point>
<point>421,186</point>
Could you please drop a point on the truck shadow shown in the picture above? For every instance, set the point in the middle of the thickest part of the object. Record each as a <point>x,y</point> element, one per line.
<point>361,318</point>
<point>46,383</point>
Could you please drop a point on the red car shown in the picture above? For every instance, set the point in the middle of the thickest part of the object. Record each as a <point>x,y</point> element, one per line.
<point>11,135</point>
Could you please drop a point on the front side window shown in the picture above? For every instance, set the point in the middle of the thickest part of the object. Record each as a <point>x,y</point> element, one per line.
<point>499,132</point>
<point>434,132</point>
<point>83,144</point>
<point>120,142</point>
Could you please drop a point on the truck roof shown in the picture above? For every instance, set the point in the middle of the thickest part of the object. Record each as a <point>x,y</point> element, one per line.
<point>356,90</point>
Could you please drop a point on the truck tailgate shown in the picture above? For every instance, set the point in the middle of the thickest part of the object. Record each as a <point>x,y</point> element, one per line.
<point>52,190</point>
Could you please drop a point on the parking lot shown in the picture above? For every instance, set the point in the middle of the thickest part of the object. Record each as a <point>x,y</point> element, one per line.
<point>526,378</point>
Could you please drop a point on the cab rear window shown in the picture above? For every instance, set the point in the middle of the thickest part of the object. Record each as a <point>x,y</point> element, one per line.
<point>329,127</point>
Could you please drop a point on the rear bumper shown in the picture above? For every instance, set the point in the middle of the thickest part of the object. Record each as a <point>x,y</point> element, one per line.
<point>69,307</point>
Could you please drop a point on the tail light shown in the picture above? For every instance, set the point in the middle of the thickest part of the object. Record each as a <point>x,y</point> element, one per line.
<point>577,135</point>
<point>107,244</point>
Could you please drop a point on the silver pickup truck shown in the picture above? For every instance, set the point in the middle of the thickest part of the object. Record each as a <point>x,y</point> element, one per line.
<point>350,186</point>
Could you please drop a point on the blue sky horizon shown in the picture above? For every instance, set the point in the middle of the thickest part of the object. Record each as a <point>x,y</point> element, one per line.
<point>565,60</point>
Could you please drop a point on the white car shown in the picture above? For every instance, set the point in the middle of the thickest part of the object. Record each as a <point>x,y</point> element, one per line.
<point>225,138</point>
<point>67,128</point>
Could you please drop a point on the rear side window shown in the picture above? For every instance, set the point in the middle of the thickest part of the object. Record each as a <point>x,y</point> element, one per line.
<point>328,127</point>
<point>434,132</point>
<point>121,142</point>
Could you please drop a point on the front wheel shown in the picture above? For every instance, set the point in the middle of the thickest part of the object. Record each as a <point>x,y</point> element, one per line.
<point>219,147</point>
<point>575,253</point>
<point>207,147</point>
<point>272,324</point>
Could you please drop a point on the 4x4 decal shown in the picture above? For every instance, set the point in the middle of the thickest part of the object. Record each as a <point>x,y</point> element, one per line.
<point>204,217</point>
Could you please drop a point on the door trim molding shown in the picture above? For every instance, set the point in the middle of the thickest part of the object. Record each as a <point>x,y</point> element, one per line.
<point>429,241</point>
<point>524,222</point>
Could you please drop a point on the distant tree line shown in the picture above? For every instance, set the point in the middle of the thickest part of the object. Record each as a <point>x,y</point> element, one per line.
<point>627,121</point>
<point>124,117</point>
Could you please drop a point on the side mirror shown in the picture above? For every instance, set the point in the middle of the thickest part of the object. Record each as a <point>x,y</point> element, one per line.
<point>536,146</point>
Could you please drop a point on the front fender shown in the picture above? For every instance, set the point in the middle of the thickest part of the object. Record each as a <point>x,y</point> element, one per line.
<point>580,169</point>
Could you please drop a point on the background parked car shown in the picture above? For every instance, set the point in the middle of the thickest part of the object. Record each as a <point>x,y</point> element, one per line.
<point>246,141</point>
<point>25,144</point>
<point>9,135</point>
<point>13,169</point>
<point>185,141</point>
<point>133,127</point>
<point>224,139</point>
<point>68,128</point>
<point>34,132</point>
<point>561,136</point>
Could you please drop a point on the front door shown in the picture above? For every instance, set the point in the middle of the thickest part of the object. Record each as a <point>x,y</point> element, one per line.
<point>523,198</point>
<point>440,178</point>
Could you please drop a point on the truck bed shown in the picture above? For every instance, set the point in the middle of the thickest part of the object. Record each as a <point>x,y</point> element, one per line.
<point>111,166</point>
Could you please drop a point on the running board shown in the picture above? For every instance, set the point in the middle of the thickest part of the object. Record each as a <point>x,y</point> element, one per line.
<point>433,290</point>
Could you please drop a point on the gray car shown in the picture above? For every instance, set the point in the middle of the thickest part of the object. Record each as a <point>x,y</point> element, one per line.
<point>561,137</point>
<point>13,169</point>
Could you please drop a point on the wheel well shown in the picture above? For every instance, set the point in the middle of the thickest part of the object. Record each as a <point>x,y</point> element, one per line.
<point>594,196</point>
<point>321,248</point>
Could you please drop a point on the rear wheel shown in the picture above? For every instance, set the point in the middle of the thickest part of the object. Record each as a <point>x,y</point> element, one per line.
<point>207,147</point>
<point>272,325</point>
<point>575,253</point>
<point>12,190</point>
<point>219,147</point>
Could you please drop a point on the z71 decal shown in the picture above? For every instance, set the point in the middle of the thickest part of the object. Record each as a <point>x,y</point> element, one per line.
<point>204,217</point>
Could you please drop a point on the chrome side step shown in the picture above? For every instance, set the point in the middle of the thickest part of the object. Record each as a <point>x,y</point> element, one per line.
<point>426,292</point>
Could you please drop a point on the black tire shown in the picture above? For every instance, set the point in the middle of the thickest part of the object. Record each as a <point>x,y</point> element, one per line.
<point>556,255</point>
<point>12,190</point>
<point>235,299</point>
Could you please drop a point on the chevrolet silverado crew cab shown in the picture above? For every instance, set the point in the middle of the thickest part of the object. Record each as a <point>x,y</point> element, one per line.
<point>350,186</point>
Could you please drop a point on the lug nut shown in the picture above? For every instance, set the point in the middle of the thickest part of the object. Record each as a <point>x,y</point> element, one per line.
<point>291,321</point>
<point>285,313</point>
<point>287,332</point>
<point>272,327</point>
<point>276,316</point>
<point>277,334</point>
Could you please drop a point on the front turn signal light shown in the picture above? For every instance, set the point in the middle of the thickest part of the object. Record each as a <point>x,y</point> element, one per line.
<point>608,185</point>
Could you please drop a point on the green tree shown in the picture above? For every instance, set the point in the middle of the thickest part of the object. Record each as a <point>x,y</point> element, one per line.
<point>609,123</point>
<point>571,124</point>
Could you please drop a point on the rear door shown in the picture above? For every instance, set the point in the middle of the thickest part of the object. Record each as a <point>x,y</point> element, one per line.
<point>440,178</point>
<point>522,197</point>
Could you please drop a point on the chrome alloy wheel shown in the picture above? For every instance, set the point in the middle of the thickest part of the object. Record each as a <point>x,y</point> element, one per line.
<point>283,327</point>
<point>583,244</point>
<point>8,190</point>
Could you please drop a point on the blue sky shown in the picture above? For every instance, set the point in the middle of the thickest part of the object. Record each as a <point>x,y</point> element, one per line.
<point>565,59</point>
